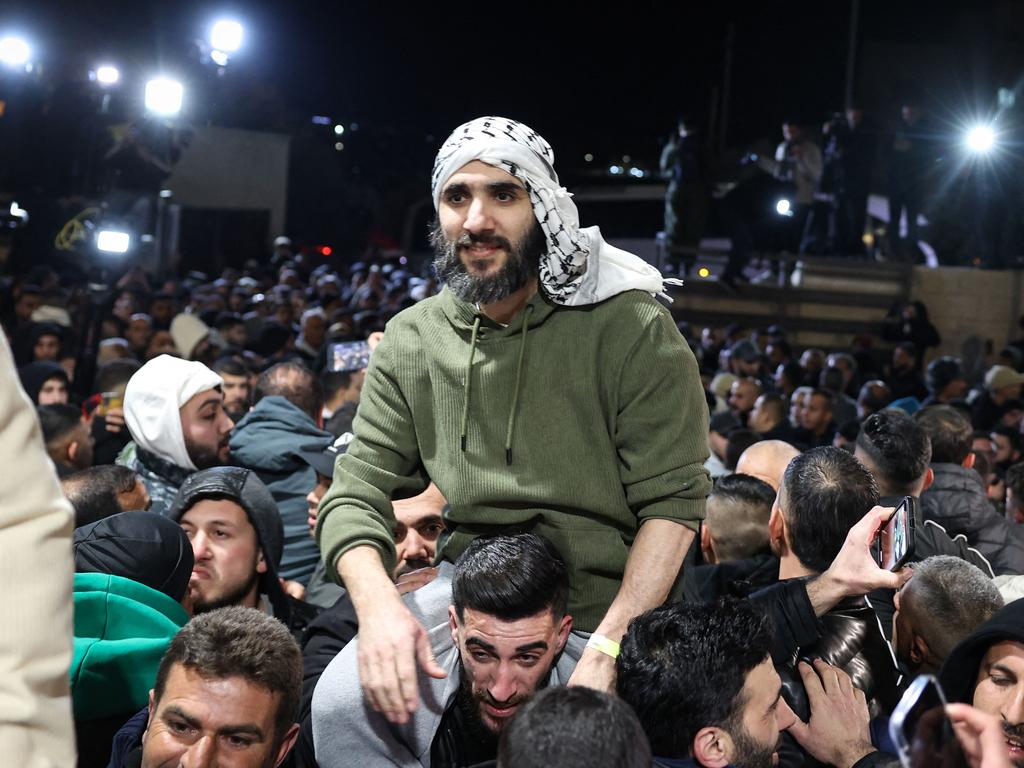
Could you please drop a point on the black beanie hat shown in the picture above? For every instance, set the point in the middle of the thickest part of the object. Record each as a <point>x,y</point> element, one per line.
<point>142,546</point>
<point>243,487</point>
<point>34,375</point>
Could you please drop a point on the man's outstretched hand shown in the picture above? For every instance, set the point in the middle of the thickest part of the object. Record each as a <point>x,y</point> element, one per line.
<point>391,645</point>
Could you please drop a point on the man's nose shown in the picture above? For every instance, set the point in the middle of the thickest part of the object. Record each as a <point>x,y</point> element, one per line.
<point>416,546</point>
<point>1013,709</point>
<point>784,716</point>
<point>201,754</point>
<point>478,217</point>
<point>504,686</point>
<point>200,546</point>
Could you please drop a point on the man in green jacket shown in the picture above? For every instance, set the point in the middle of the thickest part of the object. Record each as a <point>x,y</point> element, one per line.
<point>543,390</point>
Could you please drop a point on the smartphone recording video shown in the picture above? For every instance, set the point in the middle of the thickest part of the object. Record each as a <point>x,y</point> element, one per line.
<point>894,545</point>
<point>921,731</point>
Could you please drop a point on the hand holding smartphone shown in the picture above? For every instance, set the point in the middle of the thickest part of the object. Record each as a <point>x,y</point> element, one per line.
<point>894,545</point>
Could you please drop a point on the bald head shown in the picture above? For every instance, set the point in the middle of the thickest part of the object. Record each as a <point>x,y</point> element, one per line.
<point>767,460</point>
<point>296,384</point>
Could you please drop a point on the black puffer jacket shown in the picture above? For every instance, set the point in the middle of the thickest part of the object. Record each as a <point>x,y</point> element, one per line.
<point>957,501</point>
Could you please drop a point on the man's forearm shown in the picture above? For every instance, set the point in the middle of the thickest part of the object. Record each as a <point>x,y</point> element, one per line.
<point>651,570</point>
<point>366,580</point>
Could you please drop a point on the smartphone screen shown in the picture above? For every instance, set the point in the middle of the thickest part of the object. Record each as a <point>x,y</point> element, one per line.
<point>921,730</point>
<point>895,538</point>
<point>348,356</point>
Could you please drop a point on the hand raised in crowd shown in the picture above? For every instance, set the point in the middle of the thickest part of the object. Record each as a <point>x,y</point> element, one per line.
<point>980,735</point>
<point>854,570</point>
<point>838,731</point>
<point>293,588</point>
<point>114,419</point>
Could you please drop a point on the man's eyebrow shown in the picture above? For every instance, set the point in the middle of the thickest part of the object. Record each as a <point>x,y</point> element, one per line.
<point>1003,669</point>
<point>458,188</point>
<point>211,401</point>
<point>173,710</point>
<point>540,645</point>
<point>428,520</point>
<point>241,729</point>
<point>475,641</point>
<point>778,697</point>
<point>498,187</point>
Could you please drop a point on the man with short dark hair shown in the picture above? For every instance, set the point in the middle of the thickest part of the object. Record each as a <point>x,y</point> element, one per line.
<point>342,390</point>
<point>768,418</point>
<point>945,601</point>
<point>873,397</point>
<point>844,408</point>
<point>1015,493</point>
<point>68,441</point>
<point>174,410</point>
<point>905,378</point>
<point>574,728</point>
<point>958,499</point>
<point>742,396</point>
<point>268,440</point>
<point>945,381</point>
<point>1007,441</point>
<point>102,491</point>
<point>236,389</point>
<point>736,525</point>
<point>507,627</point>
<point>228,684</point>
<point>817,427</point>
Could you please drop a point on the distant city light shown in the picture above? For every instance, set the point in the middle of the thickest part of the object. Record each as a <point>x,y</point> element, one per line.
<point>339,129</point>
<point>615,170</point>
<point>107,75</point>
<point>784,208</point>
<point>219,58</point>
<point>226,36</point>
<point>113,241</point>
<point>588,157</point>
<point>704,272</point>
<point>14,51</point>
<point>339,146</point>
<point>637,173</point>
<point>164,96</point>
<point>981,138</point>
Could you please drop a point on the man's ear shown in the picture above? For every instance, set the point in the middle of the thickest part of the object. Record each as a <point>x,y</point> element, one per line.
<point>776,525</point>
<point>968,462</point>
<point>706,547</point>
<point>919,650</point>
<point>261,561</point>
<point>152,714</point>
<point>564,628</point>
<point>712,747</point>
<point>72,451</point>
<point>453,624</point>
<point>286,744</point>
<point>929,478</point>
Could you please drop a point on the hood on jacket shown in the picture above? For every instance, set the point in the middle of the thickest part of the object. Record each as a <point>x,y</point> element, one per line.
<point>270,437</point>
<point>142,546</point>
<point>121,631</point>
<point>153,400</point>
<point>959,673</point>
<point>243,487</point>
<point>34,375</point>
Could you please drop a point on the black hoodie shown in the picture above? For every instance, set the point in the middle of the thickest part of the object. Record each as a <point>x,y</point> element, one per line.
<point>959,674</point>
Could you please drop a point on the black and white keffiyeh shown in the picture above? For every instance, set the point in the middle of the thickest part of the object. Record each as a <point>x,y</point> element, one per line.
<point>579,267</point>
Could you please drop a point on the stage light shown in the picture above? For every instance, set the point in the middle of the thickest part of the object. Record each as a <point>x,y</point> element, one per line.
<point>784,208</point>
<point>325,250</point>
<point>704,272</point>
<point>112,241</point>
<point>107,75</point>
<point>164,96</point>
<point>226,36</point>
<point>981,138</point>
<point>588,157</point>
<point>339,129</point>
<point>219,58</point>
<point>14,51</point>
<point>615,170</point>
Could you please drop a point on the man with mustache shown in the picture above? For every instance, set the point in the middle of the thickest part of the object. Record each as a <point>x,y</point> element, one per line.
<point>174,410</point>
<point>506,629</point>
<point>544,389</point>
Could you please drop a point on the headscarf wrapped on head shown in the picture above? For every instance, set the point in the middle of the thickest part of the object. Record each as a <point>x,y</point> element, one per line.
<point>579,267</point>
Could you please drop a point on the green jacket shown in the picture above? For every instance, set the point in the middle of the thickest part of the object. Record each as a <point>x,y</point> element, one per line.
<point>122,629</point>
<point>575,423</point>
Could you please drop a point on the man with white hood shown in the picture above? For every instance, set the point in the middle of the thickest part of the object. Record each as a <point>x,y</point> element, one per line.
<point>544,390</point>
<point>174,410</point>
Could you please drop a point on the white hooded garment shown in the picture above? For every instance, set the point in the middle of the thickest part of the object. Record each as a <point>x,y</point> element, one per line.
<point>153,400</point>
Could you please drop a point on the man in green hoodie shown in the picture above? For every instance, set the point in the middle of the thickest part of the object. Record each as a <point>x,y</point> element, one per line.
<point>543,390</point>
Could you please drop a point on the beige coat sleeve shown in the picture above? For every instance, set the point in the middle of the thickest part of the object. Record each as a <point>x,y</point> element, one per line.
<point>35,589</point>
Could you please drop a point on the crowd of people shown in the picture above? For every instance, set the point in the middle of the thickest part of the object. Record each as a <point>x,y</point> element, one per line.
<point>513,513</point>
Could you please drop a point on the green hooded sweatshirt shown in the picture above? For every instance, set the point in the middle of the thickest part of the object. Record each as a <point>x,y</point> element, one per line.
<point>122,629</point>
<point>575,423</point>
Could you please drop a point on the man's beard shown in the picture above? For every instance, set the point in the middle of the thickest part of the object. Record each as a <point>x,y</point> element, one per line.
<point>522,260</point>
<point>228,599</point>
<point>472,701</point>
<point>1014,733</point>
<point>750,753</point>
<point>202,456</point>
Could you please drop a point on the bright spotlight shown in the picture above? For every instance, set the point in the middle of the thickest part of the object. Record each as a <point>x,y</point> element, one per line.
<point>164,96</point>
<point>339,129</point>
<point>14,51</point>
<point>112,241</point>
<point>981,138</point>
<point>107,75</point>
<point>704,272</point>
<point>784,208</point>
<point>219,58</point>
<point>226,36</point>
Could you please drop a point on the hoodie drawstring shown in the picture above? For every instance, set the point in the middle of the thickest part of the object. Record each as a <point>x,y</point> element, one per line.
<point>515,392</point>
<point>466,385</point>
